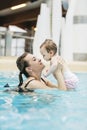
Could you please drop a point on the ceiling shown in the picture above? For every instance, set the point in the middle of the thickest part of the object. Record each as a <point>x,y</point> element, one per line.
<point>25,17</point>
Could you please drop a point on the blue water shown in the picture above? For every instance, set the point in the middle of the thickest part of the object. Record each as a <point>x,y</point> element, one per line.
<point>45,109</point>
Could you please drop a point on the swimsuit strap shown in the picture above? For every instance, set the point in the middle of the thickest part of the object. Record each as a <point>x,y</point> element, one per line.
<point>32,80</point>
<point>28,82</point>
<point>43,80</point>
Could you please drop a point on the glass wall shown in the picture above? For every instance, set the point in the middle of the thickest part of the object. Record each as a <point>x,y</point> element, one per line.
<point>14,44</point>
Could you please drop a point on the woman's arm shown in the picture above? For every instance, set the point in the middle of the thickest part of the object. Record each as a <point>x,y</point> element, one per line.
<point>59,77</point>
<point>60,81</point>
<point>50,84</point>
<point>36,84</point>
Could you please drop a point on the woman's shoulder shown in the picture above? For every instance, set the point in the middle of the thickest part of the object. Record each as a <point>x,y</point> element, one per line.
<point>34,83</point>
<point>27,82</point>
<point>29,79</point>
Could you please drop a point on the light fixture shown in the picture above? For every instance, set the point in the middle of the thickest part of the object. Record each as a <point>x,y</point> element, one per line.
<point>35,29</point>
<point>18,6</point>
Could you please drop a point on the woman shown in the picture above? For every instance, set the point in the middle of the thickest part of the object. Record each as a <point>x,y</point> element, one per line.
<point>32,68</point>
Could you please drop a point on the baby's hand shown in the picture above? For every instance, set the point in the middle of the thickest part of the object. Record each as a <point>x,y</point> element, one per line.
<point>59,70</point>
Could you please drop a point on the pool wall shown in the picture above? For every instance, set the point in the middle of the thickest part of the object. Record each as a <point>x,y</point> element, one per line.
<point>9,64</point>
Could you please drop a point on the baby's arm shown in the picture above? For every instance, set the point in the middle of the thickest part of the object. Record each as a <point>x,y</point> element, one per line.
<point>52,68</point>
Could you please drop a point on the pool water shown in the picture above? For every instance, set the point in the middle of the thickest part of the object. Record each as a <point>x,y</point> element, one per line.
<point>44,109</point>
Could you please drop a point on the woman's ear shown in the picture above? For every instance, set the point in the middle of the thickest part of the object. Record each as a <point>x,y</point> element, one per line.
<point>28,69</point>
<point>30,72</point>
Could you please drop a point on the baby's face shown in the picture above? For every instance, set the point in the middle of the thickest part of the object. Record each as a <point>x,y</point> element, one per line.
<point>45,54</point>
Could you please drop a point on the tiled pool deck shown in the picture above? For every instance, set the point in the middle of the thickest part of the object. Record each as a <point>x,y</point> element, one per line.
<point>9,64</point>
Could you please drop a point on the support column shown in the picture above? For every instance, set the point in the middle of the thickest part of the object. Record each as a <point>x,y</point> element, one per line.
<point>56,20</point>
<point>0,46</point>
<point>8,41</point>
<point>67,40</point>
<point>80,31</point>
<point>43,29</point>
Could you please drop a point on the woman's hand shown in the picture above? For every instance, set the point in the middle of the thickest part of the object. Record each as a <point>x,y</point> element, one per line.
<point>59,77</point>
<point>59,69</point>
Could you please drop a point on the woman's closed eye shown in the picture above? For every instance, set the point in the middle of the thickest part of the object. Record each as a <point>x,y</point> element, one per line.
<point>34,59</point>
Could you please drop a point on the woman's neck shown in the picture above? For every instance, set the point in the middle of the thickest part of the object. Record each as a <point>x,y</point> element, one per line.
<point>37,76</point>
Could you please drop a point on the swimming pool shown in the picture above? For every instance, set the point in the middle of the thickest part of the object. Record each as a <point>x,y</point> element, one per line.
<point>45,109</point>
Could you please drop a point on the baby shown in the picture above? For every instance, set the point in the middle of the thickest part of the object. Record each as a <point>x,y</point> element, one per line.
<point>48,50</point>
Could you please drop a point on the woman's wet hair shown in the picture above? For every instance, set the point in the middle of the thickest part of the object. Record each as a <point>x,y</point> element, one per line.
<point>22,64</point>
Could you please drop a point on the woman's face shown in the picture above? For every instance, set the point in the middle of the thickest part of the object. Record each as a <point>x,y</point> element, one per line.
<point>35,64</point>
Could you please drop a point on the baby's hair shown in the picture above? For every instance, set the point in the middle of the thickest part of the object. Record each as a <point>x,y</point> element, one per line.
<point>49,45</point>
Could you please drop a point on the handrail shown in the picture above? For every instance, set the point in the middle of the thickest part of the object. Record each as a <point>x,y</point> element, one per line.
<point>20,36</point>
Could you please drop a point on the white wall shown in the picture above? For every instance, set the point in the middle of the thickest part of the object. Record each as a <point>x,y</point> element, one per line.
<point>81,7</point>
<point>76,44</point>
<point>80,28</point>
<point>80,38</point>
<point>17,46</point>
